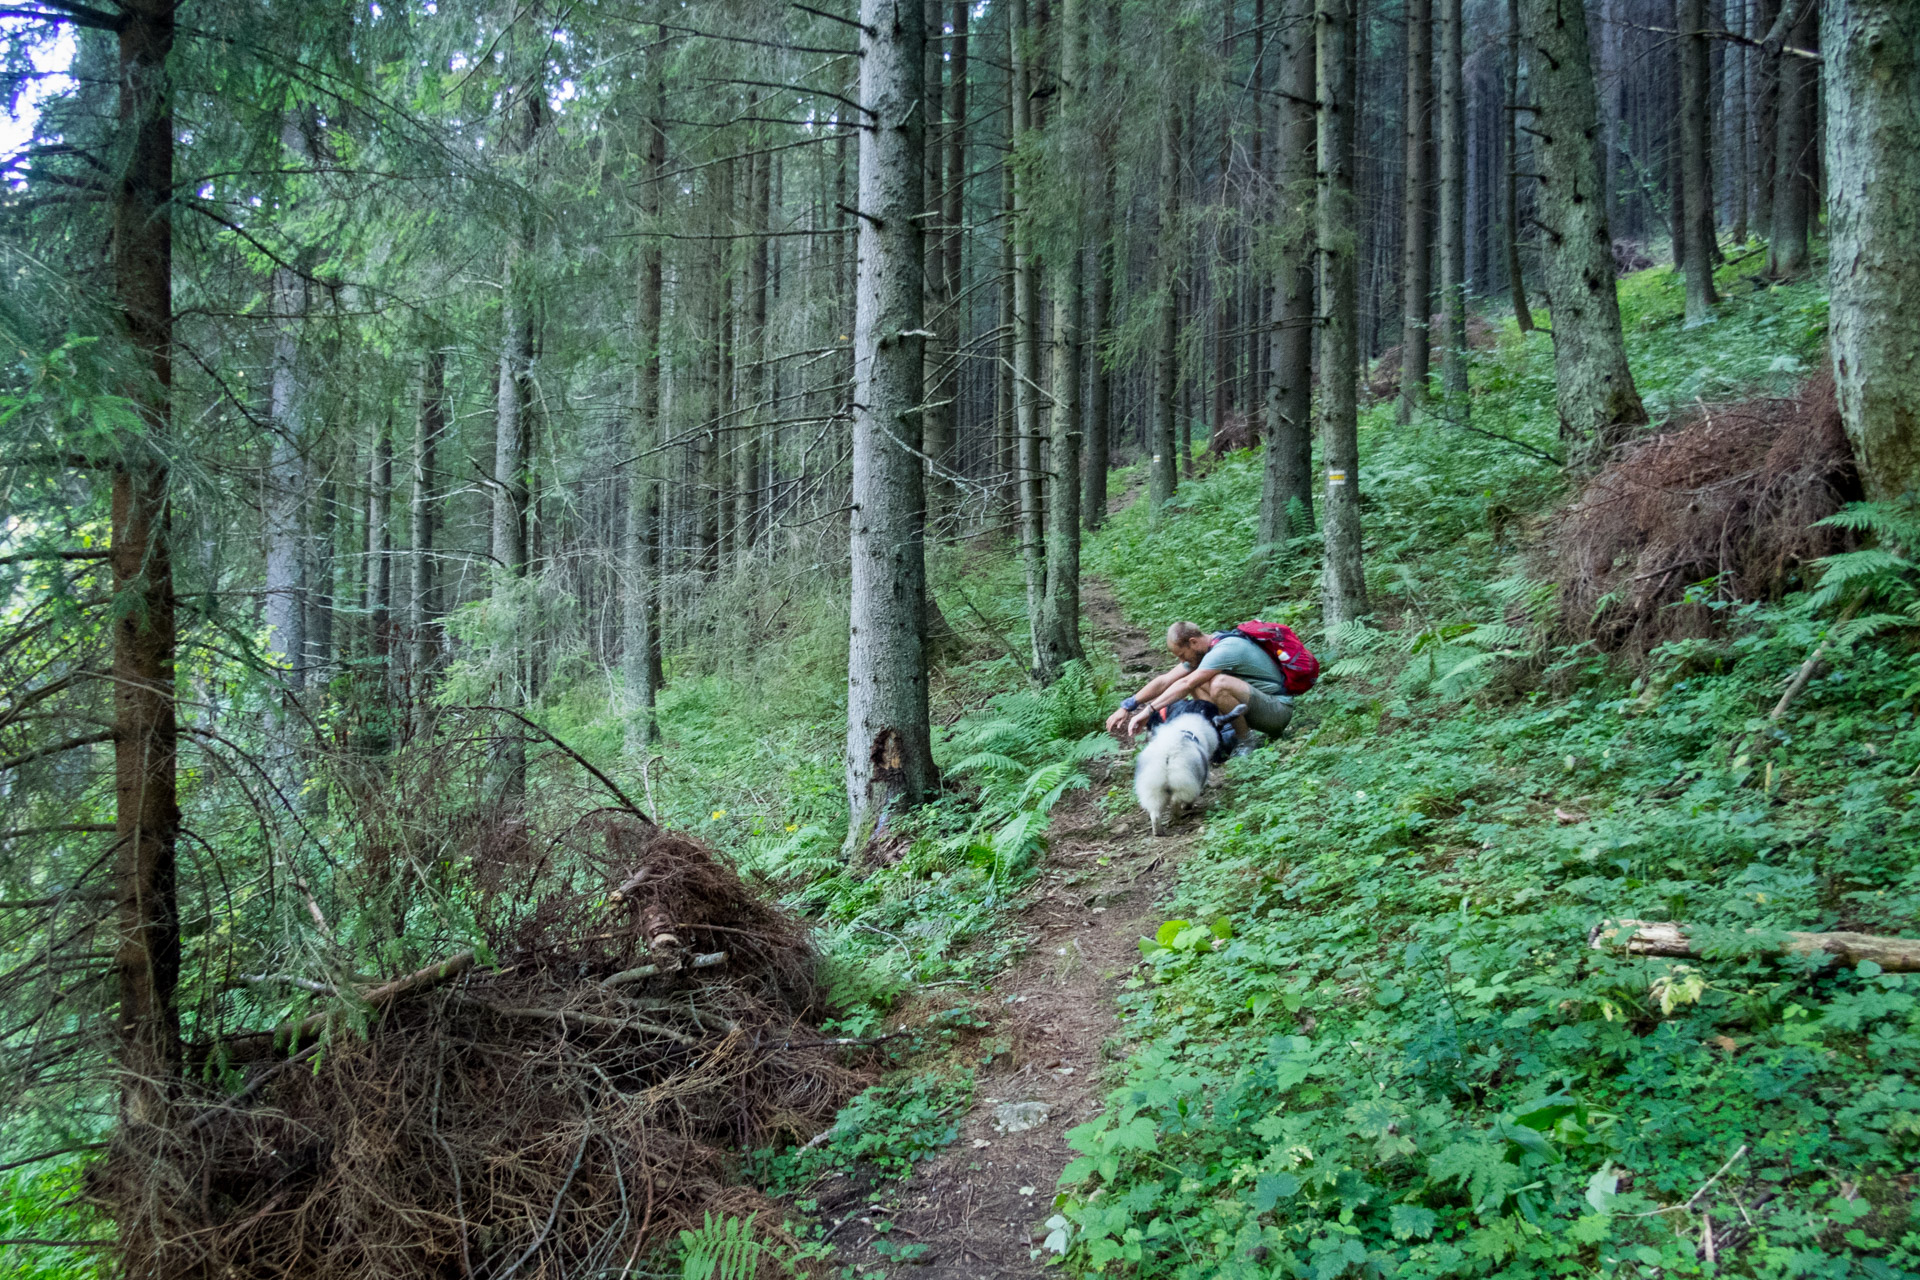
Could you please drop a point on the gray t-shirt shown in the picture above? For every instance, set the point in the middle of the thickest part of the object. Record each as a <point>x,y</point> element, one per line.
<point>1239,656</point>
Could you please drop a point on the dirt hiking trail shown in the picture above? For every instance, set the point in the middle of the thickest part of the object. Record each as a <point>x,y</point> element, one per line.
<point>980,1206</point>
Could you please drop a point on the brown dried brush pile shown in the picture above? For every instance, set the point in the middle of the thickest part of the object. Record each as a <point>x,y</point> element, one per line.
<point>1729,493</point>
<point>1383,381</point>
<point>533,1121</point>
<point>1237,431</point>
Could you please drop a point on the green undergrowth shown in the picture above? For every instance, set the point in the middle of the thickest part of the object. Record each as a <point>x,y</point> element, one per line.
<point>1443,504</point>
<point>1374,1038</point>
<point>41,1204</point>
<point>751,758</point>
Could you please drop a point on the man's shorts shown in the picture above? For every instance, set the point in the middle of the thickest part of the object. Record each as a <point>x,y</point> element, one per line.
<point>1268,712</point>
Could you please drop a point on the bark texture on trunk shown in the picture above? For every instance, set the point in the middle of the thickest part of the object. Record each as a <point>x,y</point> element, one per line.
<point>1453,209</point>
<point>889,745</point>
<point>1696,144</point>
<point>1416,269</point>
<point>641,635</point>
<point>1287,471</point>
<point>1594,391</point>
<point>1872,73</point>
<point>146,960</point>
<point>1343,585</point>
<point>1057,632</point>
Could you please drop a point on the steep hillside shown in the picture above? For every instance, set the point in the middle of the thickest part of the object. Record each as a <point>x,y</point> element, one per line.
<point>1395,1052</point>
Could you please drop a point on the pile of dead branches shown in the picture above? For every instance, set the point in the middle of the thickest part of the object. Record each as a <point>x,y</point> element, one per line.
<point>1729,497</point>
<point>556,1114</point>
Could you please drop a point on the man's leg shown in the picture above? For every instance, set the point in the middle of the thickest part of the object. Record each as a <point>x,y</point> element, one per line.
<point>1224,691</point>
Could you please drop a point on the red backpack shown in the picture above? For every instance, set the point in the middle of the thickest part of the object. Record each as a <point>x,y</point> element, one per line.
<point>1298,668</point>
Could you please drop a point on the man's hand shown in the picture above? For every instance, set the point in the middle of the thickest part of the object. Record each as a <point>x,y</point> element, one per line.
<point>1139,719</point>
<point>1117,719</point>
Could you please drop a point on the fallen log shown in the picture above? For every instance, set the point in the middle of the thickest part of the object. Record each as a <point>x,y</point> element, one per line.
<point>626,976</point>
<point>1669,938</point>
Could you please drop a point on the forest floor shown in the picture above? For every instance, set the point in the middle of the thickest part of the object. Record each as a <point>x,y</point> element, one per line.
<point>980,1207</point>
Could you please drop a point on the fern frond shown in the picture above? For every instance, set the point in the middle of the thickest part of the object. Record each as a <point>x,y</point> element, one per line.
<point>1019,838</point>
<point>1044,779</point>
<point>1897,523</point>
<point>725,1249</point>
<point>1854,630</point>
<point>1871,572</point>
<point>1496,635</point>
<point>988,762</point>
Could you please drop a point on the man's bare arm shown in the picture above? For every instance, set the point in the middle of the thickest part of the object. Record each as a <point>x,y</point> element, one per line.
<point>1152,689</point>
<point>1177,690</point>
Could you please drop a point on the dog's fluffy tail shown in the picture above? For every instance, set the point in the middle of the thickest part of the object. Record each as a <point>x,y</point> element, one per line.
<point>1172,769</point>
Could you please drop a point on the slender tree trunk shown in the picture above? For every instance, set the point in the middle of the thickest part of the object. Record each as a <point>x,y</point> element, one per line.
<point>1057,634</point>
<point>1594,391</point>
<point>746,483</point>
<point>1026,352</point>
<point>1872,75</point>
<point>1766,112</point>
<point>1453,210</point>
<point>1006,415</point>
<point>423,594</point>
<point>1099,416</point>
<point>707,460</point>
<point>943,411</point>
<point>1510,123</point>
<point>379,603</point>
<point>1734,123</point>
<point>287,485</point>
<point>1343,586</point>
<point>1187,371</point>
<point>320,584</point>
<point>641,639</point>
<point>1792,189</point>
<point>146,961</point>
<point>1696,142</point>
<point>1164,471</point>
<point>510,489</point>
<point>889,745</point>
<point>1416,270</point>
<point>1676,169</point>
<point>1287,475</point>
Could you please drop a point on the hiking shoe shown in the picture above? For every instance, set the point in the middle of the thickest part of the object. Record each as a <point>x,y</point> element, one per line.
<point>1244,749</point>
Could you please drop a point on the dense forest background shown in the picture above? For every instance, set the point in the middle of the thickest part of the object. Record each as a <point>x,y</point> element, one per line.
<point>472,472</point>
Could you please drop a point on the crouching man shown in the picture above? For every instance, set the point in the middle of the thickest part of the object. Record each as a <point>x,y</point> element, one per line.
<point>1226,669</point>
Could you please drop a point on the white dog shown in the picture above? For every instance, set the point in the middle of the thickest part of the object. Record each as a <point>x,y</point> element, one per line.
<point>1172,769</point>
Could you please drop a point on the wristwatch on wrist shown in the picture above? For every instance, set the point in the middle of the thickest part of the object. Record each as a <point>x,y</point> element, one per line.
<point>1129,704</point>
